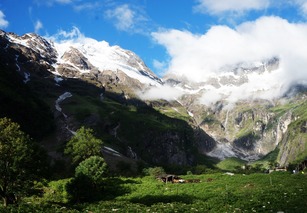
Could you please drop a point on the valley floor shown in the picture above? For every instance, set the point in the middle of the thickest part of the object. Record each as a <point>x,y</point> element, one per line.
<point>219,192</point>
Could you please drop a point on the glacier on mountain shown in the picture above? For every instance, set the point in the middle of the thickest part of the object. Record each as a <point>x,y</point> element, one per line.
<point>99,53</point>
<point>106,57</point>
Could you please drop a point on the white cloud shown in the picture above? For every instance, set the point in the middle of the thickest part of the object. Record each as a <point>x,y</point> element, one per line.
<point>199,57</point>
<point>216,7</point>
<point>38,26</point>
<point>302,5</point>
<point>162,92</point>
<point>50,3</point>
<point>159,66</point>
<point>64,1</point>
<point>123,16</point>
<point>87,6</point>
<point>263,86</point>
<point>3,22</point>
<point>63,36</point>
<point>304,8</point>
<point>128,18</point>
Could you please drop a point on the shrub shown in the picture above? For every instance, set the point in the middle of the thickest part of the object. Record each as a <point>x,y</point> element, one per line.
<point>155,171</point>
<point>88,182</point>
<point>56,191</point>
<point>95,168</point>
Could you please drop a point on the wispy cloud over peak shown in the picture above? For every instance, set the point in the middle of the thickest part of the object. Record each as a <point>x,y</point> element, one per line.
<point>3,22</point>
<point>63,36</point>
<point>38,26</point>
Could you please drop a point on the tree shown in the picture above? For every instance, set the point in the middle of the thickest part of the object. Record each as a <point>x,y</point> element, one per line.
<point>88,182</point>
<point>83,145</point>
<point>21,160</point>
<point>94,167</point>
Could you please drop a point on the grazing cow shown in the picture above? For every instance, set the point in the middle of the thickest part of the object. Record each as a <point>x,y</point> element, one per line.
<point>170,178</point>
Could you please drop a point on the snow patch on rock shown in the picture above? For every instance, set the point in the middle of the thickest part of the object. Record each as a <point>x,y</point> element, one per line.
<point>60,99</point>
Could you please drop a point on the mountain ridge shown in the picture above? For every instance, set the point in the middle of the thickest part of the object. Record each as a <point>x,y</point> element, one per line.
<point>246,129</point>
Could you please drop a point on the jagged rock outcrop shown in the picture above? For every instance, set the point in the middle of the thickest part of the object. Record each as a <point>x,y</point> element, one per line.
<point>73,64</point>
<point>27,54</point>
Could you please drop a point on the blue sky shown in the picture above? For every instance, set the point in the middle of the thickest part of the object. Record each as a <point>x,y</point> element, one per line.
<point>150,27</point>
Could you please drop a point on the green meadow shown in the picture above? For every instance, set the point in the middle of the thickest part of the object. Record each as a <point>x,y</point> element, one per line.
<point>216,192</point>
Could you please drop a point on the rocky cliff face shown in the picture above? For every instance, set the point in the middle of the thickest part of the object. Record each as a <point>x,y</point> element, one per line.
<point>250,130</point>
<point>293,141</point>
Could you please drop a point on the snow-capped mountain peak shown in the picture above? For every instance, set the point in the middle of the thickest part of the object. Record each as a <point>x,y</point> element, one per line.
<point>105,57</point>
<point>35,42</point>
<point>84,55</point>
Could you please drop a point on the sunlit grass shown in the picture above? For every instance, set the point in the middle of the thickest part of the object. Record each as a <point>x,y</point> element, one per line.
<point>231,164</point>
<point>217,192</point>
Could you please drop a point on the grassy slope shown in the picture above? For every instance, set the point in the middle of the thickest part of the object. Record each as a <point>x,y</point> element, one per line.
<point>178,112</point>
<point>231,164</point>
<point>140,126</point>
<point>137,123</point>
